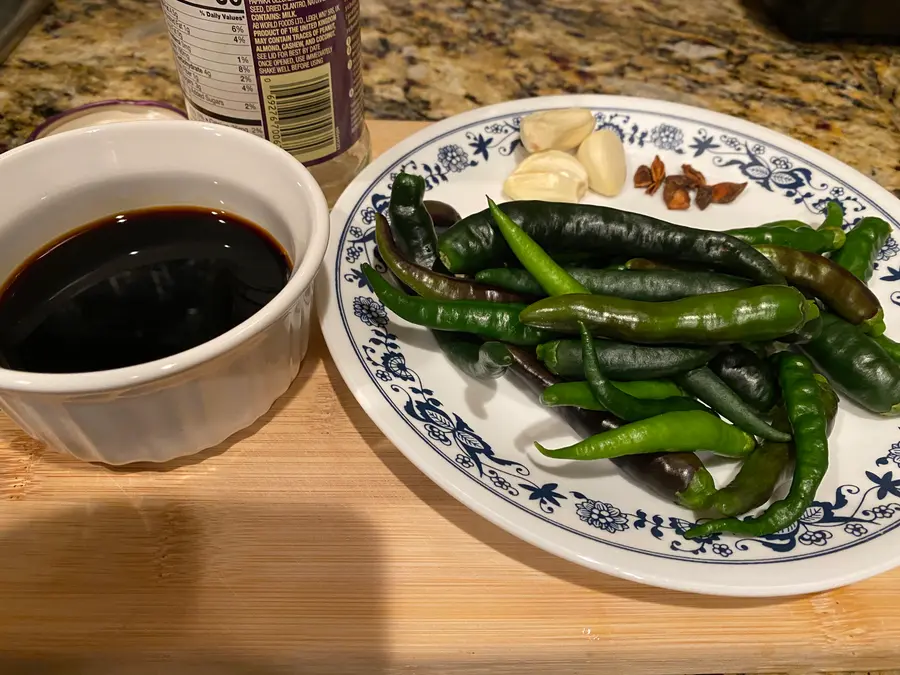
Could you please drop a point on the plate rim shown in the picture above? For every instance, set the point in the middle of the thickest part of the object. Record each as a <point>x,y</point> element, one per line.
<point>326,301</point>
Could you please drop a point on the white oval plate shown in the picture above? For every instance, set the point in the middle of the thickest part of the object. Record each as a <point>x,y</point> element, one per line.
<point>475,439</point>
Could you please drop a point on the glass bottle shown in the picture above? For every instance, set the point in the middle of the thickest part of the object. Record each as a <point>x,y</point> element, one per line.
<point>285,70</point>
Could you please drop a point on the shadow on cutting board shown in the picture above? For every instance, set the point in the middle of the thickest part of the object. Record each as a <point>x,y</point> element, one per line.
<point>503,542</point>
<point>148,586</point>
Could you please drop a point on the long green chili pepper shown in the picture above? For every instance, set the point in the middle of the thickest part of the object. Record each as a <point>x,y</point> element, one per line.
<point>430,284</point>
<point>490,320</point>
<point>807,416</point>
<point>473,244</point>
<point>801,238</point>
<point>834,216</point>
<point>546,271</point>
<point>856,365</point>
<point>578,394</point>
<point>847,296</point>
<point>709,388</point>
<point>757,479</point>
<point>888,345</point>
<point>830,399</point>
<point>411,223</point>
<point>762,469</point>
<point>472,356</point>
<point>481,360</point>
<point>620,403</point>
<point>623,361</point>
<point>759,313</point>
<point>676,476</point>
<point>790,224</point>
<point>864,242</point>
<point>748,375</point>
<point>671,432</point>
<point>649,285</point>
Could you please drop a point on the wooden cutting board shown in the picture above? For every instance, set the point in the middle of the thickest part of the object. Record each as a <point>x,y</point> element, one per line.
<point>308,543</point>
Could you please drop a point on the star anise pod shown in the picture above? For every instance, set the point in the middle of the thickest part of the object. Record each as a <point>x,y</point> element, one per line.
<point>725,193</point>
<point>650,177</point>
<point>696,178</point>
<point>704,197</point>
<point>676,195</point>
<point>642,177</point>
<point>679,180</point>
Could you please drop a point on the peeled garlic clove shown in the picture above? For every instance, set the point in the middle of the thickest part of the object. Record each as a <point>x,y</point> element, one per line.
<point>603,155</point>
<point>556,129</point>
<point>554,161</point>
<point>546,186</point>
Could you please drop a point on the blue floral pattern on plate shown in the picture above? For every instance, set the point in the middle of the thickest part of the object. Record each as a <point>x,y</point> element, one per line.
<point>855,512</point>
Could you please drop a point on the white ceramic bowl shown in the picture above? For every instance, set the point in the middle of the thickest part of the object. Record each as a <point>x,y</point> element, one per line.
<point>180,405</point>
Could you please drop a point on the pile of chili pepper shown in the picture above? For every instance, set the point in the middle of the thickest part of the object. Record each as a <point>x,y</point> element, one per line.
<point>661,341</point>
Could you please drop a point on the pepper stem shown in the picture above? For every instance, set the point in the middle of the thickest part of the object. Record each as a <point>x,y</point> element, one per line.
<point>874,326</point>
<point>812,310</point>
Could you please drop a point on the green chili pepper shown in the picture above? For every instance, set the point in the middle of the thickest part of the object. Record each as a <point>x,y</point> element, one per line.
<point>863,244</point>
<point>756,481</point>
<point>481,360</point>
<point>550,275</point>
<point>847,296</point>
<point>476,359</point>
<point>888,345</point>
<point>473,243</point>
<point>834,216</point>
<point>671,432</point>
<point>624,361</point>
<point>759,313</point>
<point>442,215</point>
<point>801,238</point>
<point>490,320</point>
<point>620,403</point>
<point>675,476</point>
<point>410,221</point>
<point>829,399</point>
<point>749,376</point>
<point>648,285</point>
<point>578,394</point>
<point>709,388</point>
<point>790,224</point>
<point>807,416</point>
<point>856,365</point>
<point>762,470</point>
<point>428,283</point>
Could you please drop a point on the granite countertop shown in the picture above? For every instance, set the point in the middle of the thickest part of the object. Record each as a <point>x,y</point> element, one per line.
<point>426,64</point>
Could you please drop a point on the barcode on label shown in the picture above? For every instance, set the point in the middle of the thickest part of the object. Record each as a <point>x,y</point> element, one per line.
<point>303,113</point>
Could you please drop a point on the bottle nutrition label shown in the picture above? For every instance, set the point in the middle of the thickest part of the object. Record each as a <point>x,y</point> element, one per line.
<point>285,70</point>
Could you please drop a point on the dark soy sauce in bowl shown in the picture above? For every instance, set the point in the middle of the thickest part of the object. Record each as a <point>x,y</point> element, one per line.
<point>136,287</point>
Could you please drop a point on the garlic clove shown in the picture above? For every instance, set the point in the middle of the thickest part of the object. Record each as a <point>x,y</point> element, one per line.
<point>554,161</point>
<point>546,186</point>
<point>556,129</point>
<point>603,156</point>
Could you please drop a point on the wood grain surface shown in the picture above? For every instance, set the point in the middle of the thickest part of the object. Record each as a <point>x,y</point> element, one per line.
<point>309,544</point>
